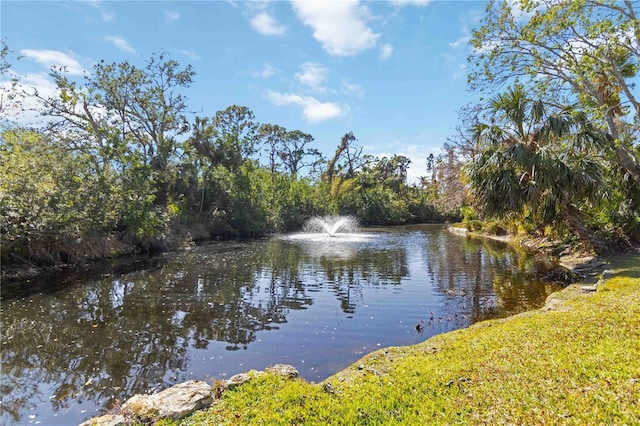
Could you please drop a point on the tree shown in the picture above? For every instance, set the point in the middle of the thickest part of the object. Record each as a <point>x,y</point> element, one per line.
<point>347,150</point>
<point>450,193</point>
<point>290,147</point>
<point>150,109</point>
<point>294,149</point>
<point>272,137</point>
<point>53,205</point>
<point>11,102</point>
<point>391,173</point>
<point>124,111</point>
<point>147,101</point>
<point>236,136</point>
<point>527,173</point>
<point>230,196</point>
<point>586,50</point>
<point>464,141</point>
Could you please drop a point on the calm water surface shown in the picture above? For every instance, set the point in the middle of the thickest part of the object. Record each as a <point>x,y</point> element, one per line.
<point>318,303</point>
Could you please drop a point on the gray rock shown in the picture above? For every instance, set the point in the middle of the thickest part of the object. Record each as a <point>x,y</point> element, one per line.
<point>106,420</point>
<point>237,380</point>
<point>180,400</point>
<point>284,370</point>
<point>175,403</point>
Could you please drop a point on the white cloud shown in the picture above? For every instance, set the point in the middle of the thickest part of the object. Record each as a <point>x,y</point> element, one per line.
<point>171,15</point>
<point>190,54</point>
<point>340,26</point>
<point>39,81</point>
<point>460,72</point>
<point>267,71</point>
<point>462,41</point>
<point>93,3</point>
<point>50,58</point>
<point>266,25</point>
<point>312,109</point>
<point>313,75</point>
<point>25,109</point>
<point>418,166</point>
<point>402,3</point>
<point>385,51</point>
<point>105,15</point>
<point>108,16</point>
<point>352,89</point>
<point>120,43</point>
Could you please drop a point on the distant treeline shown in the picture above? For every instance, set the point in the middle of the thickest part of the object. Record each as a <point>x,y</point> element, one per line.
<point>118,168</point>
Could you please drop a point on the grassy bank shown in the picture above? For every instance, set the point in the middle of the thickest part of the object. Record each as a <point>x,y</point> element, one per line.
<point>576,361</point>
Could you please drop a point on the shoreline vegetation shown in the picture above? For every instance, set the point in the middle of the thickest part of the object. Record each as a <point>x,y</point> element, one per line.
<point>576,360</point>
<point>186,238</point>
<point>566,256</point>
<point>181,238</point>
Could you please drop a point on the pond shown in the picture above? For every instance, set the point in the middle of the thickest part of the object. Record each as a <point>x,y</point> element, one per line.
<point>79,346</point>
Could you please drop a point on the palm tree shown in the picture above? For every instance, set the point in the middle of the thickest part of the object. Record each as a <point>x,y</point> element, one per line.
<point>528,172</point>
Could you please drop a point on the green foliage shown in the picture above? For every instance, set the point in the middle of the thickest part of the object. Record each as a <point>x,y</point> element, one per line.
<point>494,228</point>
<point>124,115</point>
<point>138,216</point>
<point>474,225</point>
<point>53,204</point>
<point>114,172</point>
<point>469,213</point>
<point>377,206</point>
<point>617,216</point>
<point>421,208</point>
<point>300,201</point>
<point>470,219</point>
<point>377,194</point>
<point>527,39</point>
<point>543,169</point>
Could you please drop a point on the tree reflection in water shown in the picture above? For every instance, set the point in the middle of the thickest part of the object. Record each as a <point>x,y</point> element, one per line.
<point>495,280</point>
<point>229,307</point>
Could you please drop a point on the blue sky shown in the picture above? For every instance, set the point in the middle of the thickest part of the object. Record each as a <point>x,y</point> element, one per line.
<point>392,72</point>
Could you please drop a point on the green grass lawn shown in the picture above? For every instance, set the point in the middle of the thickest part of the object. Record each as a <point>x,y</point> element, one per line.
<point>576,363</point>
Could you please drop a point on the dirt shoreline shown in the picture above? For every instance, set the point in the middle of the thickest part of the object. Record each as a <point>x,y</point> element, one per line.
<point>573,259</point>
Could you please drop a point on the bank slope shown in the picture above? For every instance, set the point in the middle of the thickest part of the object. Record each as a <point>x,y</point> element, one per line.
<point>576,361</point>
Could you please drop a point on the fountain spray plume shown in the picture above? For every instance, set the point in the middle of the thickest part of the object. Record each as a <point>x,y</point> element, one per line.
<point>331,225</point>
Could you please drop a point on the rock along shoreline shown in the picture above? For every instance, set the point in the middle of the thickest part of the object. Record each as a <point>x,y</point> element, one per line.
<point>181,400</point>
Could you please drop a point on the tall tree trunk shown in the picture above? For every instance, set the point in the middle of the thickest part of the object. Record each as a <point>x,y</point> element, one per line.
<point>624,157</point>
<point>330,170</point>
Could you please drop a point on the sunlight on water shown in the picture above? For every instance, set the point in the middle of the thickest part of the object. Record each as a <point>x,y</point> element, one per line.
<point>337,238</point>
<point>341,245</point>
<point>73,346</point>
